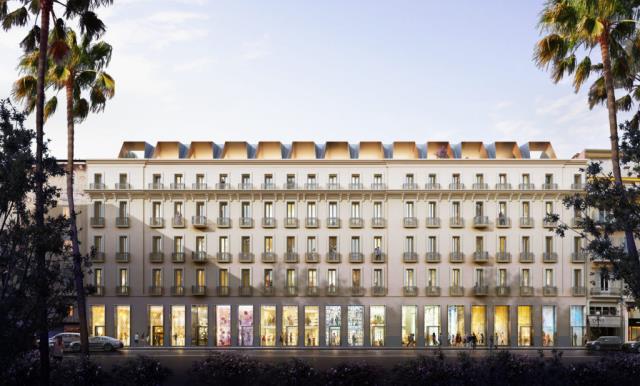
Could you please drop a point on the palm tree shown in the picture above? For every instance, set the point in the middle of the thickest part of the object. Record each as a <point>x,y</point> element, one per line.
<point>575,27</point>
<point>81,70</point>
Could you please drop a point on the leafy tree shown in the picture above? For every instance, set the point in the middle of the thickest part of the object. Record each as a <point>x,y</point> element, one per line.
<point>575,28</point>
<point>79,72</point>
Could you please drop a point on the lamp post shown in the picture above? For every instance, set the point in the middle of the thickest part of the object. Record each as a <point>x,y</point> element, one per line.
<point>598,321</point>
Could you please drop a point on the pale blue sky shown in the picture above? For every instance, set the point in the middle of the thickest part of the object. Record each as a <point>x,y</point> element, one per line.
<point>325,70</point>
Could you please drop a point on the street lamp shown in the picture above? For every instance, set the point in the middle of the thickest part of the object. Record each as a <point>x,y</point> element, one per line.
<point>598,321</point>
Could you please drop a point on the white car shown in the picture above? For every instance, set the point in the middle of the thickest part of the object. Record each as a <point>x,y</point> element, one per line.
<point>100,343</point>
<point>67,339</point>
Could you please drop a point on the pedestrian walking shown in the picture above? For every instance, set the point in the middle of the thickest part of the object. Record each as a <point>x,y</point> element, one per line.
<point>57,351</point>
<point>136,338</point>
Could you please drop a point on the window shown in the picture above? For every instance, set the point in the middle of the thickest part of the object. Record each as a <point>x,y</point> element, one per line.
<point>525,328</point>
<point>123,324</point>
<point>178,181</point>
<point>525,277</point>
<point>409,244</point>
<point>548,208</point>
<point>333,209</point>
<point>199,325</point>
<point>333,180</point>
<point>156,277</point>
<point>548,326</point>
<point>377,209</point>
<point>501,326</point>
<point>526,179</point>
<point>200,181</point>
<point>548,179</point>
<point>245,209</point>
<point>291,181</point>
<point>432,277</point>
<point>157,180</point>
<point>409,325</point>
<point>311,210</point>
<point>178,211</point>
<point>355,326</point>
<point>355,180</point>
<point>356,278</point>
<point>245,277</point>
<point>502,244</point>
<point>223,244</point>
<point>200,244</point>
<point>201,279</point>
<point>502,210</point>
<point>578,325</point>
<point>291,278</point>
<point>432,179</point>
<point>409,209</point>
<point>502,179</point>
<point>97,180</point>
<point>312,277</point>
<point>223,325</point>
<point>268,278</point>
<point>311,325</point>
<point>455,179</point>
<point>377,325</point>
<point>479,209</point>
<point>123,277</point>
<point>333,244</point>
<point>479,323</point>
<point>311,180</point>
<point>291,209</point>
<point>223,210</point>
<point>245,325</point>
<point>245,179</point>
<point>479,244</point>
<point>432,325</point>
<point>156,209</point>
<point>456,325</point>
<point>98,279</point>
<point>156,244</point>
<point>502,277</point>
<point>98,244</point>
<point>290,325</point>
<point>291,244</point>
<point>178,277</point>
<point>245,244</point>
<point>268,181</point>
<point>377,245</point>
<point>222,179</point>
<point>548,244</point>
<point>455,209</point>
<point>223,278</point>
<point>526,210</point>
<point>268,210</point>
<point>479,283</point>
<point>548,277</point>
<point>178,326</point>
<point>456,246</point>
<point>456,277</point>
<point>97,315</point>
<point>578,280</point>
<point>268,244</point>
<point>311,244</point>
<point>123,209</point>
<point>432,209</point>
<point>355,244</point>
<point>526,244</point>
<point>409,277</point>
<point>333,325</point>
<point>123,180</point>
<point>98,209</point>
<point>432,245</point>
<point>377,179</point>
<point>378,277</point>
<point>268,326</point>
<point>156,325</point>
<point>355,210</point>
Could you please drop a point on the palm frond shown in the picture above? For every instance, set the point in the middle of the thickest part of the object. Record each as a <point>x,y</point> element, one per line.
<point>80,110</point>
<point>582,73</point>
<point>91,25</point>
<point>50,107</point>
<point>32,40</point>
<point>597,93</point>
<point>624,103</point>
<point>549,49</point>
<point>16,18</point>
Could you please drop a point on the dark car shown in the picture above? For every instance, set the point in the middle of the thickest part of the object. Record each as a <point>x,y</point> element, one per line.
<point>605,343</point>
<point>632,346</point>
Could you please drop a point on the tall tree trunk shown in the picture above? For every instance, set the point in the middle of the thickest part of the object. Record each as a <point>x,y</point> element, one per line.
<point>78,278</point>
<point>613,136</point>
<point>43,290</point>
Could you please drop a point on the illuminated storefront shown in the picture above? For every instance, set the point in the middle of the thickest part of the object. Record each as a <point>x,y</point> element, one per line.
<point>333,324</point>
<point>245,325</point>
<point>377,325</point>
<point>479,324</point>
<point>123,324</point>
<point>199,325</point>
<point>223,326</point>
<point>525,329</point>
<point>355,321</point>
<point>311,325</point>
<point>432,325</point>
<point>409,325</point>
<point>178,326</point>
<point>290,325</point>
<point>156,325</point>
<point>97,321</point>
<point>268,326</point>
<point>501,326</point>
<point>548,326</point>
<point>633,321</point>
<point>578,325</point>
<point>455,325</point>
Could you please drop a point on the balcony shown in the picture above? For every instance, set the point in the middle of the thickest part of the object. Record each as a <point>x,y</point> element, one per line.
<point>199,256</point>
<point>245,222</point>
<point>122,222</point>
<point>480,256</point>
<point>199,290</point>
<point>223,290</point>
<point>332,290</point>
<point>268,222</point>
<point>313,290</point>
<point>122,257</point>
<point>480,290</point>
<point>177,186</point>
<point>199,186</point>
<point>378,291</point>
<point>268,257</point>
<point>97,257</point>
<point>311,222</point>
<point>432,186</point>
<point>456,290</point>
<point>456,222</point>
<point>311,186</point>
<point>503,222</point>
<point>292,290</point>
<point>178,222</point>
<point>526,222</point>
<point>606,292</point>
<point>291,222</point>
<point>549,257</point>
<point>549,223</point>
<point>290,185</point>
<point>410,257</point>
<point>356,222</point>
<point>503,290</point>
<point>526,290</point>
<point>312,257</point>
<point>526,257</point>
<point>356,257</point>
<point>223,257</point>
<point>123,186</point>
<point>333,186</point>
<point>97,186</point>
<point>410,222</point>
<point>97,222</point>
<point>156,257</point>
<point>481,221</point>
<point>122,290</point>
<point>156,290</point>
<point>480,186</point>
<point>577,222</point>
<point>456,257</point>
<point>99,290</point>
<point>177,257</point>
<point>333,222</point>
<point>578,291</point>
<point>503,186</point>
<point>290,257</point>
<point>503,257</point>
<point>548,290</point>
<point>527,186</point>
<point>578,257</point>
<point>245,290</point>
<point>433,222</point>
<point>177,290</point>
<point>410,290</point>
<point>333,257</point>
<point>245,257</point>
<point>456,186</point>
<point>357,291</point>
<point>433,257</point>
<point>378,222</point>
<point>550,186</point>
<point>356,186</point>
<point>378,257</point>
<point>577,186</point>
<point>378,186</point>
<point>223,222</point>
<point>410,186</point>
<point>199,221</point>
<point>268,186</point>
<point>223,186</point>
<point>155,186</point>
<point>268,290</point>
<point>433,290</point>
<point>245,186</point>
<point>156,222</point>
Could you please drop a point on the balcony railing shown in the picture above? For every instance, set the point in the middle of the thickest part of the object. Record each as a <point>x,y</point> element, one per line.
<point>456,290</point>
<point>410,257</point>
<point>433,222</point>
<point>503,222</point>
<point>526,222</point>
<point>312,257</point>
<point>456,222</point>
<point>503,290</point>
<point>578,291</point>
<point>268,257</point>
<point>456,257</point>
<point>223,257</point>
<point>480,186</point>
<point>311,222</point>
<point>526,257</point>
<point>291,185</point>
<point>156,257</point>
<point>410,222</point>
<point>122,257</point>
<point>356,186</point>
<point>198,290</point>
<point>549,223</point>
<point>578,257</point>
<point>503,257</point>
<point>333,186</point>
<point>410,186</point>
<point>199,221</point>
<point>122,222</point>
<point>99,290</point>
<point>456,186</point>
<point>122,290</point>
<point>97,186</point>
<point>268,186</point>
<point>291,222</point>
<point>177,257</point>
<point>503,186</point>
<point>290,257</point>
<point>606,292</point>
<point>268,290</point>
<point>378,257</point>
<point>223,290</point>
<point>526,290</point>
<point>378,186</point>
<point>480,256</point>
<point>432,186</point>
<point>480,290</point>
<point>268,222</point>
<point>333,257</point>
<point>550,186</point>
<point>332,290</point>
<point>356,257</point>
<point>433,290</point>
<point>333,222</point>
<point>156,222</point>
<point>245,290</point>
<point>177,186</point>
<point>223,222</point>
<point>481,221</point>
<point>199,256</point>
<point>549,257</point>
<point>527,186</point>
<point>177,290</point>
<point>97,222</point>
<point>291,290</point>
<point>378,222</point>
<point>245,186</point>
<point>97,257</point>
<point>156,290</point>
<point>378,290</point>
<point>223,186</point>
<point>548,290</point>
<point>245,222</point>
<point>245,257</point>
<point>577,186</point>
<point>410,290</point>
<point>199,186</point>
<point>356,222</point>
<point>433,257</point>
<point>178,222</point>
<point>357,291</point>
<point>312,290</point>
<point>311,186</point>
<point>123,186</point>
<point>155,186</point>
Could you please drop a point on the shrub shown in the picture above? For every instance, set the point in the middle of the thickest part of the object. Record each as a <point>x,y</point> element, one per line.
<point>358,373</point>
<point>78,372</point>
<point>291,373</point>
<point>141,371</point>
<point>224,369</point>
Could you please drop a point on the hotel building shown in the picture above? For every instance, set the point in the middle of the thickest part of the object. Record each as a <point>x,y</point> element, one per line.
<point>338,244</point>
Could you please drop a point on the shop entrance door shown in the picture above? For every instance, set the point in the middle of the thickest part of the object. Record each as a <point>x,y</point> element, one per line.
<point>157,338</point>
<point>202,337</point>
<point>334,336</point>
<point>432,331</point>
<point>377,332</point>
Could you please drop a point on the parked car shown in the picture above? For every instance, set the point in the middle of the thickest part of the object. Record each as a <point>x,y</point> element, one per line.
<point>67,339</point>
<point>100,343</point>
<point>632,346</point>
<point>605,343</point>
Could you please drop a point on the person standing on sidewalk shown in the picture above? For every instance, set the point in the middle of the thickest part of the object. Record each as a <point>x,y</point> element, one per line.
<point>57,352</point>
<point>136,338</point>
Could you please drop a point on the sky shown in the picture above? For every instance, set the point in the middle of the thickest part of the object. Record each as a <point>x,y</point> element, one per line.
<point>357,70</point>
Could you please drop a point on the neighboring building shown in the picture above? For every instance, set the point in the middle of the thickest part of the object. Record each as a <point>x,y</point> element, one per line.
<point>337,245</point>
